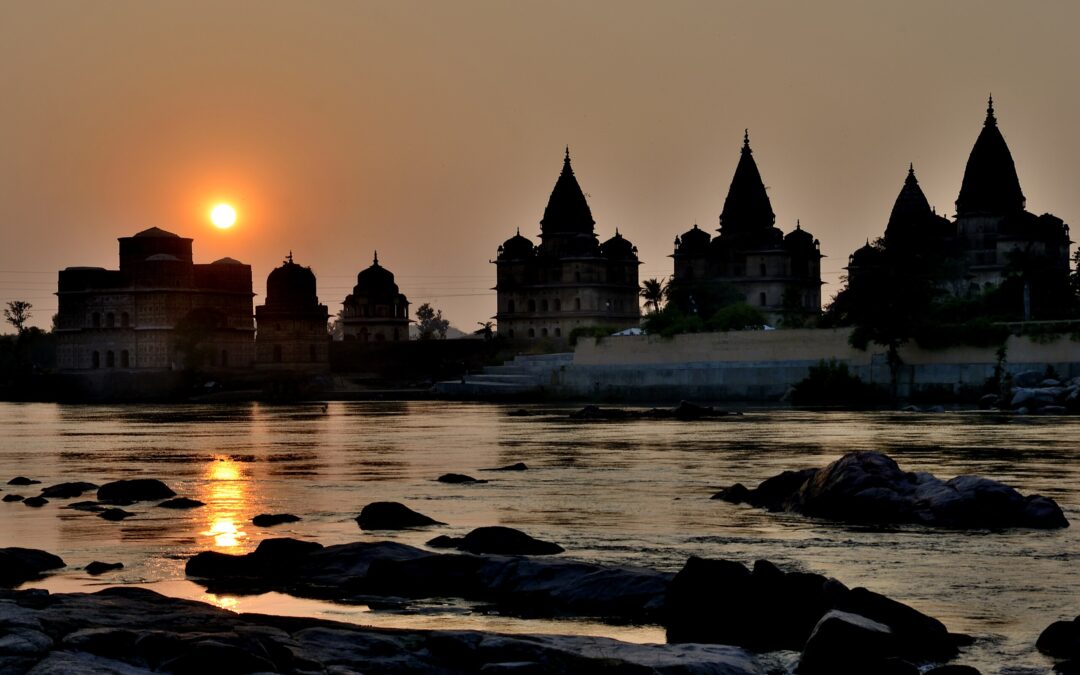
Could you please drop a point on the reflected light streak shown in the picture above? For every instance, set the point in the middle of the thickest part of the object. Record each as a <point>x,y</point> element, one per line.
<point>227,501</point>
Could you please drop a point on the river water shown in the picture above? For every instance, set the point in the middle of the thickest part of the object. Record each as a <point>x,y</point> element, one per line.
<point>631,492</point>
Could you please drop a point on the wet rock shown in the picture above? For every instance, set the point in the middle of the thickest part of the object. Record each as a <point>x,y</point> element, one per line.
<point>22,564</point>
<point>97,567</point>
<point>272,519</point>
<point>67,490</point>
<point>23,480</point>
<point>519,466</point>
<point>35,502</point>
<point>272,559</point>
<point>181,503</point>
<point>953,670</point>
<point>13,498</point>
<point>455,478</point>
<point>115,514</point>
<point>1060,639</point>
<point>392,516</point>
<point>92,507</point>
<point>847,644</point>
<point>134,490</point>
<point>869,487</point>
<point>208,656</point>
<point>498,540</point>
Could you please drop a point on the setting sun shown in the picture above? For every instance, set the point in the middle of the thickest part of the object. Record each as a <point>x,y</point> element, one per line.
<point>223,216</point>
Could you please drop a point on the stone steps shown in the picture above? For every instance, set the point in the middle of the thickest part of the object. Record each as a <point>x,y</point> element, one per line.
<point>524,374</point>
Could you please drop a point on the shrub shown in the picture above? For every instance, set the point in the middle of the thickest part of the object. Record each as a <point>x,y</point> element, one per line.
<point>830,383</point>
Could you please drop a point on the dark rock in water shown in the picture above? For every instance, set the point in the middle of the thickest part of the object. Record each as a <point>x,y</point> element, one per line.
<point>1060,639</point>
<point>767,609</point>
<point>115,514</point>
<point>458,478</point>
<point>520,412</point>
<point>13,498</point>
<point>520,466</point>
<point>134,490</point>
<point>23,564</point>
<point>181,503</point>
<point>391,516</point>
<point>97,567</point>
<point>131,631</point>
<point>869,487</point>
<point>271,519</point>
<point>23,480</point>
<point>93,507</point>
<point>498,540</point>
<point>36,502</point>
<point>67,490</point>
<point>272,559</point>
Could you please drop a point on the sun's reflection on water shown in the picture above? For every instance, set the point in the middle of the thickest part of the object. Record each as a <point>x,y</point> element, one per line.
<point>226,497</point>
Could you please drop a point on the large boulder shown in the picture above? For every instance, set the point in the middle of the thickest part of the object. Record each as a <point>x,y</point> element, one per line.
<point>181,503</point>
<point>498,540</point>
<point>848,644</point>
<point>22,564</point>
<point>392,516</point>
<point>134,490</point>
<point>869,487</point>
<point>272,519</point>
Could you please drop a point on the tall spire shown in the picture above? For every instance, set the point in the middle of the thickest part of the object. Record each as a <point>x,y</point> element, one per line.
<point>567,211</point>
<point>911,208</point>
<point>747,206</point>
<point>376,260</point>
<point>990,184</point>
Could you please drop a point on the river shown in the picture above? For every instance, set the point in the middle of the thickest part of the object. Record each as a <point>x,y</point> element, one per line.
<point>630,492</point>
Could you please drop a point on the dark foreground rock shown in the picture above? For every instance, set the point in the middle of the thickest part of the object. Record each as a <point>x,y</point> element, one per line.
<point>23,480</point>
<point>272,519</point>
<point>97,567</point>
<point>181,503</point>
<point>765,609</point>
<point>13,498</point>
<point>23,564</point>
<point>498,540</point>
<point>869,487</point>
<point>1061,640</point>
<point>456,478</point>
<point>67,490</point>
<point>115,515</point>
<point>391,516</point>
<point>517,466</point>
<point>36,502</point>
<point>134,490</point>
<point>133,630</point>
<point>685,411</point>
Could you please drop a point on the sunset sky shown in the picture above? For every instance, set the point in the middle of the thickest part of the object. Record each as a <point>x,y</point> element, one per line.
<point>432,130</point>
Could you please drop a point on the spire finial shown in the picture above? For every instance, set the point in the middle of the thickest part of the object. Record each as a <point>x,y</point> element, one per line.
<point>990,119</point>
<point>519,232</point>
<point>911,168</point>
<point>567,157</point>
<point>376,261</point>
<point>746,138</point>
<point>798,224</point>
<point>290,257</point>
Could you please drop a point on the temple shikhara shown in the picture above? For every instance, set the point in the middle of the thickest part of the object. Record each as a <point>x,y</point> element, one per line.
<point>570,280</point>
<point>778,273</point>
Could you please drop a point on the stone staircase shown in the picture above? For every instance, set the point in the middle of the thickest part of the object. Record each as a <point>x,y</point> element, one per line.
<point>525,374</point>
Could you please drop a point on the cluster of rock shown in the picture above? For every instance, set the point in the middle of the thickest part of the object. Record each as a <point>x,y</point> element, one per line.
<point>684,412</point>
<point>1033,392</point>
<point>869,487</point>
<point>110,496</point>
<point>134,631</point>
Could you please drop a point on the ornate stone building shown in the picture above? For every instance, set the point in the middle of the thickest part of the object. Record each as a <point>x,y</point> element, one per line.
<point>158,312</point>
<point>992,222</point>
<point>376,310</point>
<point>775,272</point>
<point>570,279</point>
<point>292,324</point>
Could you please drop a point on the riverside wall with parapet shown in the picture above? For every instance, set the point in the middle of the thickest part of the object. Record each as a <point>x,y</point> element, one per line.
<point>763,365</point>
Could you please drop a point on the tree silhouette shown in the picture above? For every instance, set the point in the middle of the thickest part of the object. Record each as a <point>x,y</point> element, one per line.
<point>653,291</point>
<point>17,314</point>
<point>430,322</point>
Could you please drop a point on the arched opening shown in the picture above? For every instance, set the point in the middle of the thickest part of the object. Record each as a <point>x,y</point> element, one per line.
<point>224,358</point>
<point>363,334</point>
<point>511,333</point>
<point>110,320</point>
<point>543,332</point>
<point>543,305</point>
<point>125,359</point>
<point>379,337</point>
<point>95,360</point>
<point>312,354</point>
<point>558,332</point>
<point>761,298</point>
<point>532,305</point>
<point>763,270</point>
<point>532,332</point>
<point>577,304</point>
<point>558,305</point>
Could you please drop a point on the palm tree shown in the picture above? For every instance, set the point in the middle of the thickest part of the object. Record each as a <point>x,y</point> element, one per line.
<point>653,291</point>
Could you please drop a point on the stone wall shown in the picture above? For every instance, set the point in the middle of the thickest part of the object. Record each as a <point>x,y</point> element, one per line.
<point>763,365</point>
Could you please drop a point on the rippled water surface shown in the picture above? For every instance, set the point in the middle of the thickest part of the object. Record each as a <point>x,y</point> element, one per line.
<point>632,492</point>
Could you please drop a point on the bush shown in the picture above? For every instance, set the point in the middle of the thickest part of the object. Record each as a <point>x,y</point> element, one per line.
<point>830,383</point>
<point>672,321</point>
<point>591,331</point>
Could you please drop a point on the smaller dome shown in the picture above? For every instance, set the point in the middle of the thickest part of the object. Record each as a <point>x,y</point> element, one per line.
<point>618,247</point>
<point>292,285</point>
<point>155,232</point>
<point>227,261</point>
<point>516,246</point>
<point>694,240</point>
<point>160,257</point>
<point>866,256</point>
<point>375,280</point>
<point>799,237</point>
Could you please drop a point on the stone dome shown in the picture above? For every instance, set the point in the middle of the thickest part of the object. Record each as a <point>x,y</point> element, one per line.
<point>516,246</point>
<point>291,285</point>
<point>799,237</point>
<point>375,281</point>
<point>693,240</point>
<point>618,247</point>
